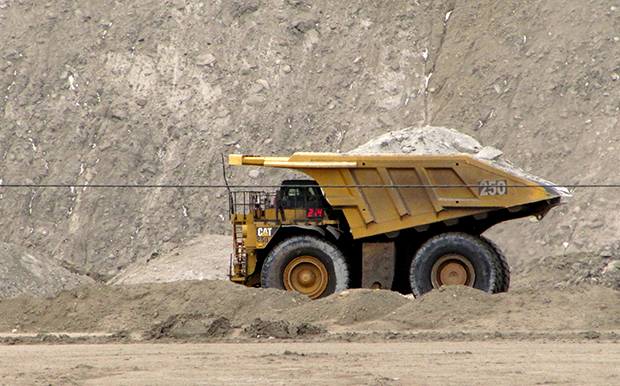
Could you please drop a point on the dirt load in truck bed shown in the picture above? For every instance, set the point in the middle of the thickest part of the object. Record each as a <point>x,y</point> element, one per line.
<point>431,140</point>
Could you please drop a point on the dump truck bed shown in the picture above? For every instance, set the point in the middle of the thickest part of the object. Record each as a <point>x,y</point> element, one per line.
<point>383,193</point>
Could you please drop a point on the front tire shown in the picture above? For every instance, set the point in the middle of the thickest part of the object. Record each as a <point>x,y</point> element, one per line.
<point>306,264</point>
<point>453,259</point>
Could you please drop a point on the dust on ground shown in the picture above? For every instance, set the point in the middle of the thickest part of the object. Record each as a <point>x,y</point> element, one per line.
<point>289,363</point>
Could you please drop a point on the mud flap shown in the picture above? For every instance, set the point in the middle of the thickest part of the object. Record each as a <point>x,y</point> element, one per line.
<point>378,261</point>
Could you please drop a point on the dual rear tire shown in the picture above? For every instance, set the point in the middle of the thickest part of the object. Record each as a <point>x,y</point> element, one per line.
<point>456,258</point>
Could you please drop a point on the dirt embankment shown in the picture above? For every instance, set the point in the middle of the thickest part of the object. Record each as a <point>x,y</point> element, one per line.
<point>145,92</point>
<point>148,92</point>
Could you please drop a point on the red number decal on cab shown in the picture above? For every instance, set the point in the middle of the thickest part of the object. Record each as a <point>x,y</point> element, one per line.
<point>314,213</point>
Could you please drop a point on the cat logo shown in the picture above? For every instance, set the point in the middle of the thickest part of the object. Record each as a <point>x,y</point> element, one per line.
<point>263,235</point>
<point>264,232</point>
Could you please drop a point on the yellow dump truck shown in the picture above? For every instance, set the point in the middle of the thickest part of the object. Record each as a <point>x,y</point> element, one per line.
<point>402,222</point>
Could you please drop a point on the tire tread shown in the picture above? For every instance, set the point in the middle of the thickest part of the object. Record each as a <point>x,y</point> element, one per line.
<point>288,246</point>
<point>502,276</point>
<point>453,242</point>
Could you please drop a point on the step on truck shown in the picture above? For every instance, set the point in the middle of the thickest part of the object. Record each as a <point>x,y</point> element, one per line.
<point>408,223</point>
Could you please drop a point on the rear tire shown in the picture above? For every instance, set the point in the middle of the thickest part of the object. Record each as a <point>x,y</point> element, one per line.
<point>451,259</point>
<point>502,277</point>
<point>308,265</point>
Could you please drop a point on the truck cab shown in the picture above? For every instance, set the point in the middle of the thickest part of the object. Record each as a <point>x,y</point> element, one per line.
<point>302,194</point>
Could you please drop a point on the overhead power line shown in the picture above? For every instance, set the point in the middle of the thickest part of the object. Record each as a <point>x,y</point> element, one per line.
<point>220,186</point>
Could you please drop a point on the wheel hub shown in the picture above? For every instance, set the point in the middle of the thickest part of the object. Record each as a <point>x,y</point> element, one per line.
<point>306,275</point>
<point>453,270</point>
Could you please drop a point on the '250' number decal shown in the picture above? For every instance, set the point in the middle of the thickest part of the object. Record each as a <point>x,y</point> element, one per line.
<point>492,188</point>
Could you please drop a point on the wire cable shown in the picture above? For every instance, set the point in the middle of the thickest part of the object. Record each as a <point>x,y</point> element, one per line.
<point>220,186</point>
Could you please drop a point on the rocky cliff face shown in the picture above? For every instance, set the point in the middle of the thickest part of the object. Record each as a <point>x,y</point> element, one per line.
<point>148,92</point>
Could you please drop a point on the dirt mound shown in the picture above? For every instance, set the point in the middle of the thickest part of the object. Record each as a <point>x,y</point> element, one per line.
<point>570,293</point>
<point>569,270</point>
<point>541,301</point>
<point>204,258</point>
<point>281,329</point>
<point>23,271</point>
<point>423,141</point>
<point>441,141</point>
<point>184,326</point>
<point>140,307</point>
<point>348,307</point>
<point>462,308</point>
